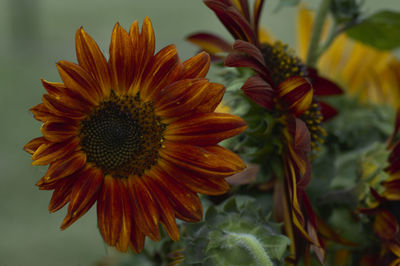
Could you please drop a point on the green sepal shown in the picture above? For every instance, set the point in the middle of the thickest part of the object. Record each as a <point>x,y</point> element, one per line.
<point>235,233</point>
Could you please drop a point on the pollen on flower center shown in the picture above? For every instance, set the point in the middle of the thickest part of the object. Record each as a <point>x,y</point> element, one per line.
<point>122,136</point>
<point>313,118</point>
<point>282,62</point>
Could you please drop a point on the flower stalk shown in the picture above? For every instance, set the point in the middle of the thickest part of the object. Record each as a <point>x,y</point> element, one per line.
<point>313,48</point>
<point>251,244</point>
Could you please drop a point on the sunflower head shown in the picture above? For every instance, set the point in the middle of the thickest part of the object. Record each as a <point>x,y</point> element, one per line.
<point>137,134</point>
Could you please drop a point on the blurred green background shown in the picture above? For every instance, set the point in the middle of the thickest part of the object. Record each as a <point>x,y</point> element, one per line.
<point>34,35</point>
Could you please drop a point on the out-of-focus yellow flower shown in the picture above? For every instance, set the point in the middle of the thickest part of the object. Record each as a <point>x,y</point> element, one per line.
<point>371,74</point>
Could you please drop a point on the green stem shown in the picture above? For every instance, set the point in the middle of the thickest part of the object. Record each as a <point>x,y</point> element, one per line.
<point>250,243</point>
<point>313,48</point>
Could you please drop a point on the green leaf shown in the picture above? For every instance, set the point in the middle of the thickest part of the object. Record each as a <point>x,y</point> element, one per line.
<point>381,30</point>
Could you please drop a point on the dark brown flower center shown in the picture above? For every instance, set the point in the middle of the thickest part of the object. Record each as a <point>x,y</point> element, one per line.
<point>313,118</point>
<point>283,63</point>
<point>122,136</point>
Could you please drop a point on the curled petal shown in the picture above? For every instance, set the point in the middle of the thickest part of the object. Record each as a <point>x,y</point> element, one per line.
<point>297,93</point>
<point>249,49</point>
<point>261,92</point>
<point>54,88</point>
<point>240,60</point>
<point>205,129</point>
<point>196,66</point>
<point>258,5</point>
<point>32,146</point>
<point>233,20</point>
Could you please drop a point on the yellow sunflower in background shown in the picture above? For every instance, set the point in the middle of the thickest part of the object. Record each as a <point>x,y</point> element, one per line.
<point>362,70</point>
<point>137,134</point>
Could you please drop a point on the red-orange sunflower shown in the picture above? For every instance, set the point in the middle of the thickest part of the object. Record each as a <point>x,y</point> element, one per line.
<point>137,134</point>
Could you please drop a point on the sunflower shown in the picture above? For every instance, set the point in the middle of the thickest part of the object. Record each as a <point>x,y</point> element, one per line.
<point>371,74</point>
<point>137,134</point>
<point>285,87</point>
<point>385,209</point>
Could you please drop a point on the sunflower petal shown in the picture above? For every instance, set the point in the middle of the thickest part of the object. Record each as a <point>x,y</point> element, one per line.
<point>62,193</point>
<point>50,152</point>
<point>240,60</point>
<point>79,82</point>
<point>92,60</point>
<point>109,210</point>
<point>261,92</point>
<point>127,218</point>
<point>58,132</point>
<point>249,49</point>
<point>297,93</point>
<point>147,208</point>
<point>32,146</point>
<point>201,184</point>
<point>65,167</point>
<point>214,95</point>
<point>327,111</point>
<point>167,213</point>
<point>258,5</point>
<point>61,108</point>
<point>213,160</point>
<point>233,20</point>
<point>385,225</point>
<point>42,113</point>
<point>147,41</point>
<point>205,129</point>
<point>187,204</point>
<point>180,98</point>
<point>210,43</point>
<point>196,66</point>
<point>121,62</point>
<point>164,69</point>
<point>137,238</point>
<point>83,195</point>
